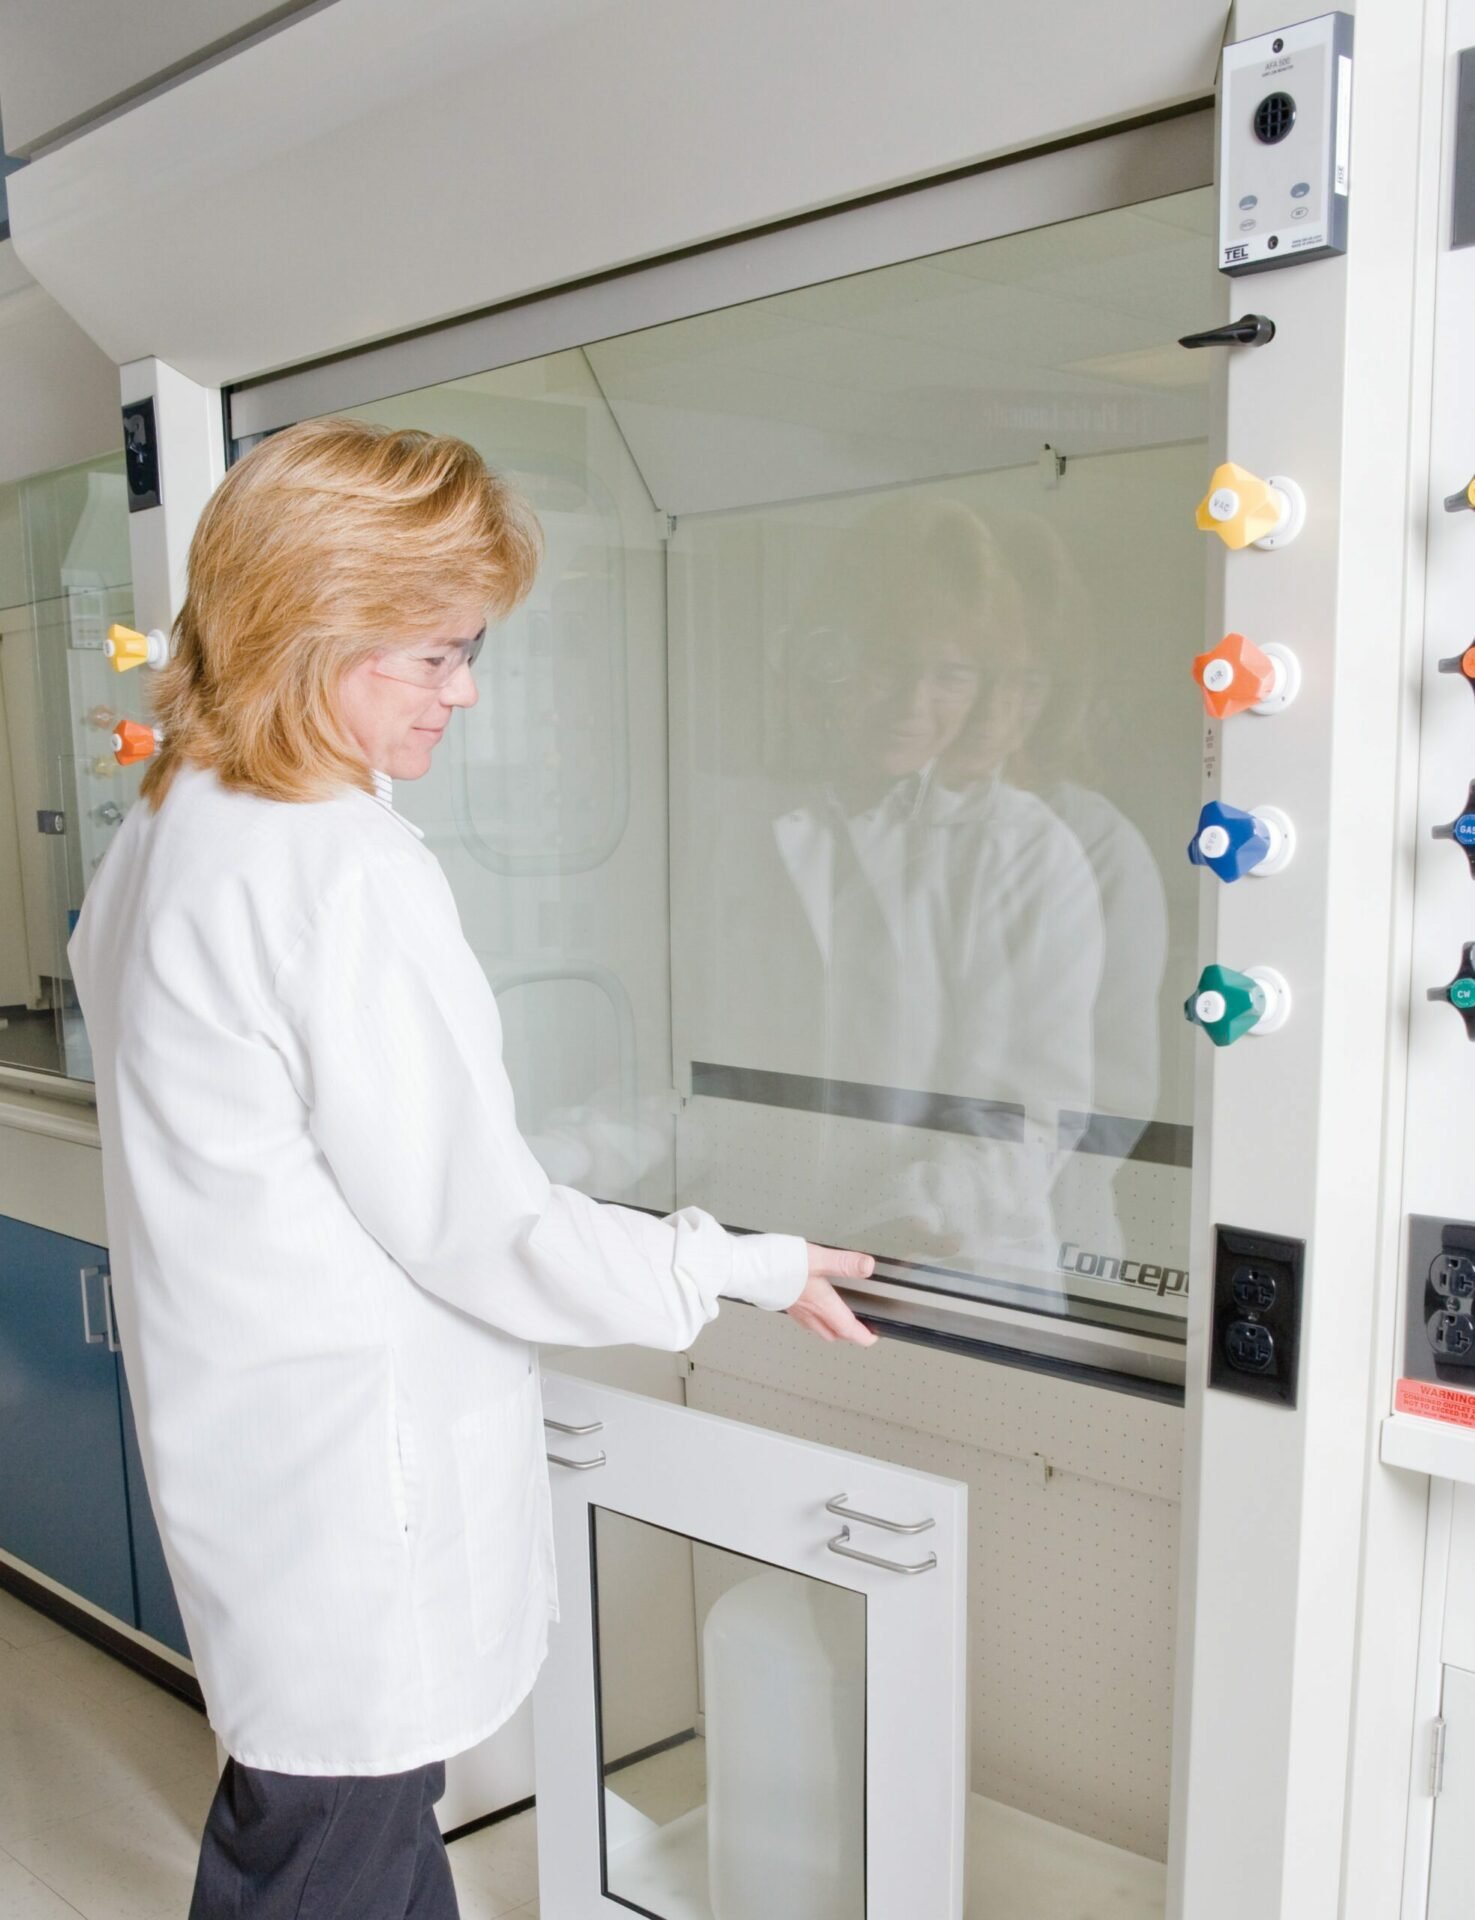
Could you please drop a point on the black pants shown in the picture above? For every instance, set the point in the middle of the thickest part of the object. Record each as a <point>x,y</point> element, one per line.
<point>286,1846</point>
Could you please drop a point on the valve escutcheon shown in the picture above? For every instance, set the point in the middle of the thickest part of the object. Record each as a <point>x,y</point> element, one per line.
<point>1246,511</point>
<point>128,649</point>
<point>1228,1005</point>
<point>134,742</point>
<point>1239,677</point>
<point>1231,843</point>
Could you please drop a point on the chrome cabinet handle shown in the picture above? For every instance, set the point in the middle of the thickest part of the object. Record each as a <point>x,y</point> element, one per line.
<point>841,1507</point>
<point>578,1466</point>
<point>107,1306</point>
<point>558,1426</point>
<point>93,1339</point>
<point>837,1545</point>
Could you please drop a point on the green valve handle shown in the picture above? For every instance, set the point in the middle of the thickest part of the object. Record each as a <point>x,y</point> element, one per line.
<point>1228,1005</point>
<point>1460,993</point>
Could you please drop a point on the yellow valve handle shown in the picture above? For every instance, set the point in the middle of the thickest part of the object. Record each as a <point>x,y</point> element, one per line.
<point>127,649</point>
<point>1240,507</point>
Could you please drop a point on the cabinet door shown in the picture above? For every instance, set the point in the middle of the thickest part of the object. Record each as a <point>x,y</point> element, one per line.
<point>754,1700</point>
<point>63,1502</point>
<point>158,1611</point>
<point>1449,1869</point>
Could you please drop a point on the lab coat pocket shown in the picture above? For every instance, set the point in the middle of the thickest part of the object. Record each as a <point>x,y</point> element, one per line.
<point>498,1457</point>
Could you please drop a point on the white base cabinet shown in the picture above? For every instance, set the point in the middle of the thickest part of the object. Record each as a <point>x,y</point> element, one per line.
<point>1451,1890</point>
<point>755,1695</point>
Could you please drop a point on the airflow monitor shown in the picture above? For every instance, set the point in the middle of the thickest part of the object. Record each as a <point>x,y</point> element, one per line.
<point>1285,127</point>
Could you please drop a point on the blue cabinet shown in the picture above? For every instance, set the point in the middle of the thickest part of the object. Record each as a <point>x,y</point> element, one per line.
<point>63,1495</point>
<point>73,1503</point>
<point>157,1609</point>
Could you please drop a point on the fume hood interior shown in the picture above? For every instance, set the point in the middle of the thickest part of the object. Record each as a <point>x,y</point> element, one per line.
<point>822,822</point>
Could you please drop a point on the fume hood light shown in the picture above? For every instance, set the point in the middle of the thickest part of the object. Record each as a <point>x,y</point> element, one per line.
<point>1461,502</point>
<point>1462,828</point>
<point>1460,992</point>
<point>1246,511</point>
<point>1228,1005</point>
<point>1232,843</point>
<point>1239,677</point>
<point>134,742</point>
<point>127,649</point>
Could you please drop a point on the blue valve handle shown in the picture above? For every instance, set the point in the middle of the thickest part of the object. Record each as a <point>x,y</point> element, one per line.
<point>1460,993</point>
<point>1228,841</point>
<point>1462,828</point>
<point>1225,1004</point>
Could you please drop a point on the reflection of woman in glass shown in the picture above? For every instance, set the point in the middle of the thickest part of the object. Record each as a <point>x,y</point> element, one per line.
<point>1060,755</point>
<point>946,949</point>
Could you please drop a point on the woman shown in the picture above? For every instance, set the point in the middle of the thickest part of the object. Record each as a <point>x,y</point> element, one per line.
<point>332,1252</point>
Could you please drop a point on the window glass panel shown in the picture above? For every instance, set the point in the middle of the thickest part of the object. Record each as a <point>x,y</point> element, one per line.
<point>841,766</point>
<point>732,1748</point>
<point>64,579</point>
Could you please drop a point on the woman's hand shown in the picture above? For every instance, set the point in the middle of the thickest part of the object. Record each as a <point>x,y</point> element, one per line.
<point>820,1308</point>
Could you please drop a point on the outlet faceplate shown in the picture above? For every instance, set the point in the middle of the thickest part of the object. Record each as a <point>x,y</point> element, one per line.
<point>141,456</point>
<point>1257,1314</point>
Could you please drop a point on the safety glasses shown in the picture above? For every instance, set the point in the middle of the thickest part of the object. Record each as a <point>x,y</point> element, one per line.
<point>427,663</point>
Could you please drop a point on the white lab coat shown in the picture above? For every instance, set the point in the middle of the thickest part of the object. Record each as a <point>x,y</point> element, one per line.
<point>332,1253</point>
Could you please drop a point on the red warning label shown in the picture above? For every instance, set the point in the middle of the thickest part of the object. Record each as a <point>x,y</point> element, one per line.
<point>1433,1402</point>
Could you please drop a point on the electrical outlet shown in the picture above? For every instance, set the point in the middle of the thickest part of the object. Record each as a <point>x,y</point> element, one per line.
<point>1441,1300</point>
<point>1257,1314</point>
<point>141,456</point>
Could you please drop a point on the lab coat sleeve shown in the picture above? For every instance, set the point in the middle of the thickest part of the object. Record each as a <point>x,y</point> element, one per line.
<point>396,1042</point>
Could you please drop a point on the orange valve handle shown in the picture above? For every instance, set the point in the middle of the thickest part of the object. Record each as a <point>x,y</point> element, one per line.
<point>134,742</point>
<point>1239,677</point>
<point>1246,511</point>
<point>126,648</point>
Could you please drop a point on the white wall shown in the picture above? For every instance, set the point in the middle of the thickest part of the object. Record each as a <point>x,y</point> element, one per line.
<point>58,393</point>
<point>61,61</point>
<point>355,175</point>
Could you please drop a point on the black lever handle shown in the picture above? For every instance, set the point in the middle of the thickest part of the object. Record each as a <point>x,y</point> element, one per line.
<point>1250,330</point>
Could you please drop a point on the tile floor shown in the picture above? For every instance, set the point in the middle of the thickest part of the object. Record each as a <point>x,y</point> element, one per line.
<point>105,1781</point>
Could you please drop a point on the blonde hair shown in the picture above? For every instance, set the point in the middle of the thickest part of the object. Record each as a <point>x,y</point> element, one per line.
<point>327,543</point>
